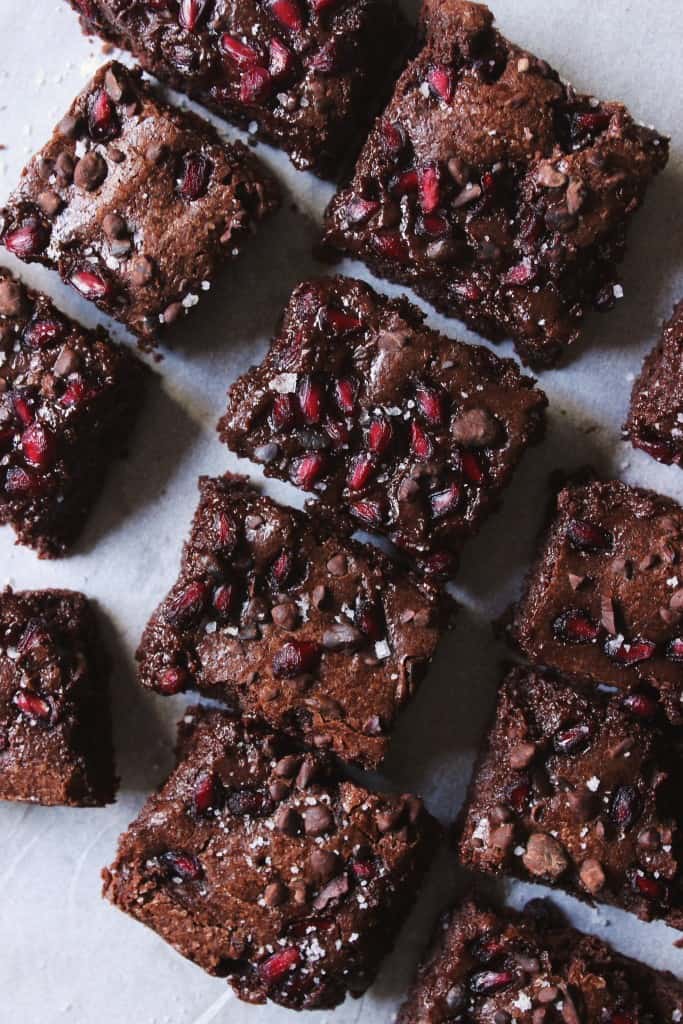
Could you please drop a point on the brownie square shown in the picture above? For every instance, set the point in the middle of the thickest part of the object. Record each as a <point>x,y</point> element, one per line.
<point>265,867</point>
<point>604,600</point>
<point>68,399</point>
<point>655,420</point>
<point>323,638</point>
<point>493,189</point>
<point>392,425</point>
<point>303,76</point>
<point>135,203</point>
<point>581,790</point>
<point>55,723</point>
<point>489,966</point>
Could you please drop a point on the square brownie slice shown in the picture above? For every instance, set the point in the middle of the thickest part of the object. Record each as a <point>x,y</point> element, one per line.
<point>68,399</point>
<point>487,966</point>
<point>604,600</point>
<point>403,430</point>
<point>55,722</point>
<point>493,189</point>
<point>136,203</point>
<point>265,867</point>
<point>655,420</point>
<point>579,789</point>
<point>325,639</point>
<point>304,76</point>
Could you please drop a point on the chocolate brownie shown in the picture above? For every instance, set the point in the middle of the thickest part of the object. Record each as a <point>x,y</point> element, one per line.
<point>68,398</point>
<point>582,790</point>
<point>265,867</point>
<point>136,203</point>
<point>496,967</point>
<point>307,77</point>
<point>55,727</point>
<point>655,421</point>
<point>604,601</point>
<point>323,638</point>
<point>407,432</point>
<point>495,190</point>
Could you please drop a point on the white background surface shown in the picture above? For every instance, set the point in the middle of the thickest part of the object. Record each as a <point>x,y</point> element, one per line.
<point>65,955</point>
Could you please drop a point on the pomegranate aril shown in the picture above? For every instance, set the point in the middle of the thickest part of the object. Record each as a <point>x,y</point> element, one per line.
<point>195,176</point>
<point>32,705</point>
<point>21,481</point>
<point>296,657</point>
<point>310,395</point>
<point>435,225</point>
<point>642,705</point>
<point>488,183</point>
<point>444,502</point>
<point>430,189</point>
<point>405,183</point>
<point>431,404</point>
<point>360,471</point>
<point>91,285</point>
<point>440,82</point>
<point>288,14</point>
<point>23,409</point>
<point>674,651</point>
<point>392,135</point>
<point>575,627</point>
<point>41,333</point>
<point>472,468</point>
<point>283,412</point>
<point>595,121</point>
<point>281,61</point>
<point>224,599</point>
<point>340,321</point>
<point>485,983</point>
<point>38,446</point>
<point>470,291</point>
<point>587,536</point>
<point>205,793</point>
<point>364,870</point>
<point>629,654</point>
<point>391,245</point>
<point>28,240</point>
<point>379,436</point>
<point>361,210</point>
<point>572,739</point>
<point>226,532</point>
<point>488,948</point>
<point>255,85</point>
<point>336,431</point>
<point>522,274</point>
<point>440,563</point>
<point>103,123</point>
<point>420,443</point>
<point>369,619</point>
<point>345,395</point>
<point>182,865</point>
<point>279,964</point>
<point>651,888</point>
<point>326,60</point>
<point>307,469</point>
<point>370,513</point>
<point>517,794</point>
<point>282,567</point>
<point>188,605</point>
<point>190,13</point>
<point>171,681</point>
<point>626,807</point>
<point>75,392</point>
<point>243,55</point>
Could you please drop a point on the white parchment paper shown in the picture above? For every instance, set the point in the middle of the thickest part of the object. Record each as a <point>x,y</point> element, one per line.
<point>65,955</point>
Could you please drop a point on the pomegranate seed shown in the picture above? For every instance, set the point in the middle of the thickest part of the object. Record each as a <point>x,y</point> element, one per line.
<point>444,502</point>
<point>226,533</point>
<point>182,865</point>
<point>369,620</point>
<point>27,240</point>
<point>34,636</point>
<point>310,399</point>
<point>224,599</point>
<point>470,292</point>
<point>190,13</point>
<point>485,983</point>
<point>595,121</point>
<point>439,563</point>
<point>364,870</point>
<point>255,85</point>
<point>674,651</point>
<point>75,392</point>
<point>390,244</point>
<point>195,177</point>
<point>361,210</point>
<point>326,60</point>
<point>472,468</point>
<point>361,469</point>
<point>21,481</point>
<point>345,394</point>
<point>38,446</point>
<point>625,807</point>
<point>517,794</point>
<point>440,82</point>
<point>283,412</point>
<point>431,404</point>
<point>340,321</point>
<point>524,273</point>
<point>244,56</point>
<point>405,183</point>
<point>23,409</point>
<point>41,333</point>
<point>379,436</point>
<point>651,888</point>
<point>392,136</point>
<point>188,605</point>
<point>90,285</point>
<point>103,124</point>
<point>573,739</point>
<point>588,537</point>
<point>288,14</point>
<point>32,705</point>
<point>487,948</point>
<point>281,61</point>
<point>430,189</point>
<point>435,225</point>
<point>282,567</point>
<point>575,627</point>
<point>420,443</point>
<point>296,657</point>
<point>276,966</point>
<point>307,469</point>
<point>337,431</point>
<point>642,705</point>
<point>629,654</point>
<point>369,512</point>
<point>171,681</point>
<point>205,793</point>
<point>488,183</point>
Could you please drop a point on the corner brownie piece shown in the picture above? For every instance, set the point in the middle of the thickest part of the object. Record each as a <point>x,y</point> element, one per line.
<point>495,967</point>
<point>265,867</point>
<point>68,398</point>
<point>55,725</point>
<point>655,421</point>
<point>407,432</point>
<point>324,639</point>
<point>582,790</point>
<point>604,601</point>
<point>136,203</point>
<point>304,75</point>
<point>495,190</point>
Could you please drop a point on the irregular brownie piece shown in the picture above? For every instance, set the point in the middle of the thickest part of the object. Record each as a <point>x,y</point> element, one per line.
<point>55,725</point>
<point>136,203</point>
<point>655,421</point>
<point>305,76</point>
<point>487,967</point>
<point>582,790</point>
<point>408,432</point>
<point>68,398</point>
<point>493,189</point>
<point>323,638</point>
<point>605,598</point>
<point>265,867</point>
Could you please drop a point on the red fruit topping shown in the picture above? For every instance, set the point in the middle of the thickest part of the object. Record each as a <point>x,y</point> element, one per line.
<point>281,59</point>
<point>195,177</point>
<point>345,394</point>
<point>431,404</point>
<point>444,502</point>
<point>296,657</point>
<point>41,333</point>
<point>32,705</point>
<point>487,948</point>
<point>629,654</point>
<point>242,54</point>
<point>23,409</point>
<point>595,121</point>
<point>103,124</point>
<point>430,195</point>
<point>224,599</point>
<point>188,605</point>
<point>642,705</point>
<point>588,537</point>
<point>470,292</point>
<point>325,61</point>
<point>38,446</point>
<point>485,983</point>
<point>279,964</point>
<point>488,183</point>
<point>517,794</point>
<point>405,183</point>
<point>472,468</point>
<point>674,651</point>
<point>205,793</point>
<point>190,13</point>
<point>369,619</point>
<point>171,680</point>
<point>379,436</point>
<point>392,135</point>
<point>440,563</point>
<point>182,865</point>
<point>524,273</point>
<point>420,443</point>
<point>27,240</point>
<point>391,245</point>
<point>75,392</point>
<point>572,739</point>
<point>283,412</point>
<point>310,396</point>
<point>435,225</point>
<point>33,638</point>
<point>282,567</point>
<point>364,870</point>
<point>626,807</point>
<point>226,533</point>
<point>575,627</point>
<point>440,81</point>
<point>21,481</point>
<point>307,469</point>
<point>288,14</point>
<point>340,321</point>
<point>369,512</point>
<point>255,85</point>
<point>361,210</point>
<point>360,471</point>
<point>651,888</point>
<point>337,431</point>
<point>90,285</point>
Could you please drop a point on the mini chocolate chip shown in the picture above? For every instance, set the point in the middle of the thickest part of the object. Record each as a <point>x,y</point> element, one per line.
<point>592,876</point>
<point>117,156</point>
<point>12,297</point>
<point>278,790</point>
<point>288,766</point>
<point>90,171</point>
<point>544,856</point>
<point>68,126</point>
<point>275,894</point>
<point>322,865</point>
<point>114,226</point>
<point>317,820</point>
<point>522,755</point>
<point>319,596</point>
<point>50,202</point>
<point>307,774</point>
<point>286,615</point>
<point>287,820</point>
<point>115,85</point>
<point>342,636</point>
<point>334,890</point>
<point>142,271</point>
<point>337,565</point>
<point>64,167</point>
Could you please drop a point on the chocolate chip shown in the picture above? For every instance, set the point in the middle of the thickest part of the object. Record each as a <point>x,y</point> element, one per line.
<point>142,271</point>
<point>544,856</point>
<point>12,297</point>
<point>317,820</point>
<point>278,790</point>
<point>323,865</point>
<point>90,172</point>
<point>592,876</point>
<point>285,615</point>
<point>288,766</point>
<point>50,202</point>
<point>287,820</point>
<point>333,891</point>
<point>275,894</point>
<point>337,565</point>
<point>117,156</point>
<point>307,774</point>
<point>319,596</point>
<point>64,167</point>
<point>114,226</point>
<point>342,637</point>
<point>68,126</point>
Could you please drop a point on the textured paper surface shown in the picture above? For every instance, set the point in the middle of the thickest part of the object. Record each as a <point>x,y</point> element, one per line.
<point>66,956</point>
